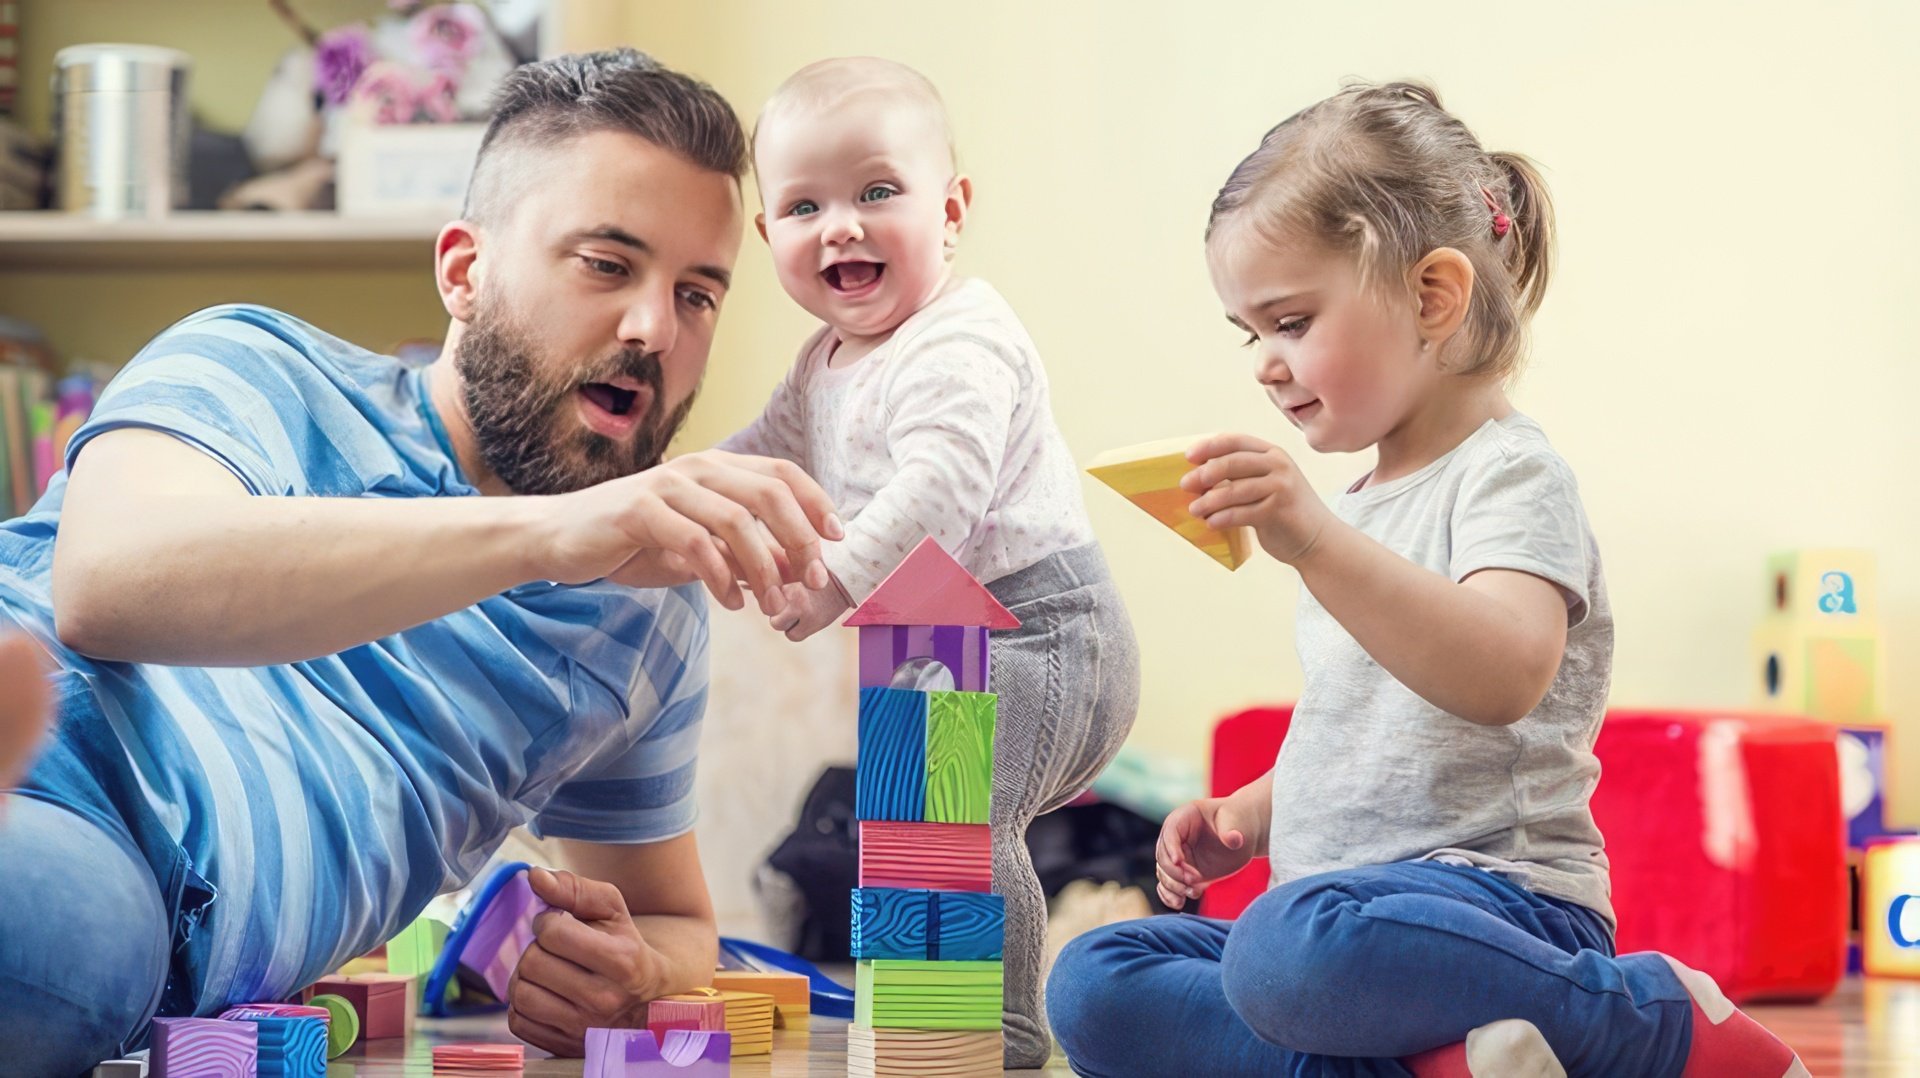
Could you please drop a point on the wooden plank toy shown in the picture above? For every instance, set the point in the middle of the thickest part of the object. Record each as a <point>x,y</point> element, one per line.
<point>749,1017</point>
<point>890,772</point>
<point>923,1053</point>
<point>1149,475</point>
<point>935,856</point>
<point>927,995</point>
<point>203,1048</point>
<point>635,1053</point>
<point>928,925</point>
<point>959,755</point>
<point>460,1059</point>
<point>705,1012</point>
<point>792,993</point>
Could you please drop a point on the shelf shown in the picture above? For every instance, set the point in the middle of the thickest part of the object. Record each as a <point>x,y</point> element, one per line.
<point>214,240</point>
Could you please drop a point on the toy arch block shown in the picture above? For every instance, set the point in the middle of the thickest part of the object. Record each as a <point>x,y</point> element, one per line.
<point>929,608</point>
<point>1149,475</point>
<point>1804,667</point>
<point>1829,585</point>
<point>637,1053</point>
<point>1890,909</point>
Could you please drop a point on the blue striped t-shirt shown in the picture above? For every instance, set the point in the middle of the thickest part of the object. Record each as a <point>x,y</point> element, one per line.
<point>321,804</point>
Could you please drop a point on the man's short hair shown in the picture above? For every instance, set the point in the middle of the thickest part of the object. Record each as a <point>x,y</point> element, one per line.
<point>541,105</point>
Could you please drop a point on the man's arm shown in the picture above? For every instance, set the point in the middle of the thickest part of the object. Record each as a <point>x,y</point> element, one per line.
<point>163,556</point>
<point>630,923</point>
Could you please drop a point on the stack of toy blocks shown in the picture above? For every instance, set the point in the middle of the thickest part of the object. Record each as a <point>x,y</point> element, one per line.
<point>1819,653</point>
<point>927,929</point>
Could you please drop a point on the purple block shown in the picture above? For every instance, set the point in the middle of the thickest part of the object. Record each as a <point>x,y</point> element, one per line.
<point>503,933</point>
<point>633,1053</point>
<point>962,649</point>
<point>1863,782</point>
<point>204,1048</point>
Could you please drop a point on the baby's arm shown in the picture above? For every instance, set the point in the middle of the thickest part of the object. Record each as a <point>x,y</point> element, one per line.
<point>1485,649</point>
<point>779,429</point>
<point>948,415</point>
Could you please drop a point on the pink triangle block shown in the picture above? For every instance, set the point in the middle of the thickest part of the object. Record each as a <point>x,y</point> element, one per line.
<point>633,1053</point>
<point>930,588</point>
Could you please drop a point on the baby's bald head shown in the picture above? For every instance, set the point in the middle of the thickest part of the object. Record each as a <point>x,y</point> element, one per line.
<point>865,82</point>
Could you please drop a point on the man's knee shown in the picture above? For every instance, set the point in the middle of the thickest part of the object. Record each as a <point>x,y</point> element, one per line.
<point>83,941</point>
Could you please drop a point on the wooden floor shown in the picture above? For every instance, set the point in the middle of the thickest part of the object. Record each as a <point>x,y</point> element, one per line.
<point>1866,1028</point>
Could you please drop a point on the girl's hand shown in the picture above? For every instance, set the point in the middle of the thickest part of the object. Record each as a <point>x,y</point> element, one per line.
<point>1202,841</point>
<point>1242,480</point>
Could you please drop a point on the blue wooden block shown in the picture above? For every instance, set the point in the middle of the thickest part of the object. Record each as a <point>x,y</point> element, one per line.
<point>940,926</point>
<point>890,781</point>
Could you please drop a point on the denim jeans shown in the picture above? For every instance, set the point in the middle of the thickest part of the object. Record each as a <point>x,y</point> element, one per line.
<point>84,941</point>
<point>1346,972</point>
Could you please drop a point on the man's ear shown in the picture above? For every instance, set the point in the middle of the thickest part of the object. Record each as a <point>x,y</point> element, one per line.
<point>1442,287</point>
<point>456,268</point>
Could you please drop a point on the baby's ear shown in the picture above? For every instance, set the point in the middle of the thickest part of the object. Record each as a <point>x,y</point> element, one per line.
<point>760,223</point>
<point>959,199</point>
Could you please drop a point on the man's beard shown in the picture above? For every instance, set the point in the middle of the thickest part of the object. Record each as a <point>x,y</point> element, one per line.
<point>523,418</point>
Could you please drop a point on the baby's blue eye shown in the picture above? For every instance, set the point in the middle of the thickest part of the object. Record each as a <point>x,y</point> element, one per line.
<point>802,209</point>
<point>877,193</point>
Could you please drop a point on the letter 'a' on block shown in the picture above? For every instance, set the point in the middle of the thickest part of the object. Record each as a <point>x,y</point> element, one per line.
<point>959,754</point>
<point>890,775</point>
<point>1148,475</point>
<point>1826,585</point>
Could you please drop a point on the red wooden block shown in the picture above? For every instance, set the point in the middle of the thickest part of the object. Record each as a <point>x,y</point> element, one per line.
<point>381,1003</point>
<point>710,1014</point>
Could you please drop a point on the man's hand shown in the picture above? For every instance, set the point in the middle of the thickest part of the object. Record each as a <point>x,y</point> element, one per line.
<point>805,611</point>
<point>588,966</point>
<point>1201,841</point>
<point>713,516</point>
<point>1242,480</point>
<point>24,712</point>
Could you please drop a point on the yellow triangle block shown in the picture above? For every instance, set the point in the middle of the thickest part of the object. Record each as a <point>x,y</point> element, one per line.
<point>1149,476</point>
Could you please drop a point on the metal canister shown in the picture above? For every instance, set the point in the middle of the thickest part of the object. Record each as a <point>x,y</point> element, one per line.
<point>122,128</point>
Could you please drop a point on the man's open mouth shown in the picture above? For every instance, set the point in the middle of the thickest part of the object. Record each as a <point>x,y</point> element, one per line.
<point>610,398</point>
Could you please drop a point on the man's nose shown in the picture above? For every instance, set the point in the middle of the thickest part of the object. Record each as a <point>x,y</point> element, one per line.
<point>648,323</point>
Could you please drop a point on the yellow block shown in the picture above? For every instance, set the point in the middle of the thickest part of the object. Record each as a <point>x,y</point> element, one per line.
<point>1806,668</point>
<point>1149,475</point>
<point>1890,909</point>
<point>1827,585</point>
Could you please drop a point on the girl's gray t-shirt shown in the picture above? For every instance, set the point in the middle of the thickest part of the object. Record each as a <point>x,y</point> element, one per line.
<point>1371,773</point>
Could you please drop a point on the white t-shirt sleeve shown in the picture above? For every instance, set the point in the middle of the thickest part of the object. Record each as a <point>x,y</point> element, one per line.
<point>1522,511</point>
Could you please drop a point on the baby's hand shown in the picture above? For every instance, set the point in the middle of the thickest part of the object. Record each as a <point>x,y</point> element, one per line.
<point>1242,480</point>
<point>1202,841</point>
<point>808,611</point>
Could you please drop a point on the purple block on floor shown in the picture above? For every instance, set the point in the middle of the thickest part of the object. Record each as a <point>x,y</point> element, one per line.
<point>633,1053</point>
<point>203,1048</point>
<point>503,933</point>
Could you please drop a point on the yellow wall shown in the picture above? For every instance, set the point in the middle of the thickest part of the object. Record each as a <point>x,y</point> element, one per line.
<point>1725,355</point>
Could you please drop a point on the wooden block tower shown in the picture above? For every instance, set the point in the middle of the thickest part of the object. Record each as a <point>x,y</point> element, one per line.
<point>1819,652</point>
<point>927,929</point>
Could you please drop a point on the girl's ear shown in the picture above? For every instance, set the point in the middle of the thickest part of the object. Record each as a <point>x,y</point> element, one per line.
<point>1443,286</point>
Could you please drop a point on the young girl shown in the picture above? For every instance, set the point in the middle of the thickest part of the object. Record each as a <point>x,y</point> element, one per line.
<point>1440,891</point>
<point>922,408</point>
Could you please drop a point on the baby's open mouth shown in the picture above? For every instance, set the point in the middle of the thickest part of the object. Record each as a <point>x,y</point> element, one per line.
<point>852,276</point>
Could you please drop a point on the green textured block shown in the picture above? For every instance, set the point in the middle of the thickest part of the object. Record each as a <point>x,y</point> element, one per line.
<point>960,756</point>
<point>911,994</point>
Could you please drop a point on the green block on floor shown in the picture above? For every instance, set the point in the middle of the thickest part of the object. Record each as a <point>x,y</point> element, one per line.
<point>960,729</point>
<point>912,994</point>
<point>417,947</point>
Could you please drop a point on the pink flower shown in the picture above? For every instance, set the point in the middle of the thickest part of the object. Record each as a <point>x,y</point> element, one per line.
<point>446,36</point>
<point>387,94</point>
<point>340,57</point>
<point>436,100</point>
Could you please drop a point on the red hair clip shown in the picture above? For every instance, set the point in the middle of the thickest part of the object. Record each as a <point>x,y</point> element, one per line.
<point>1501,222</point>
